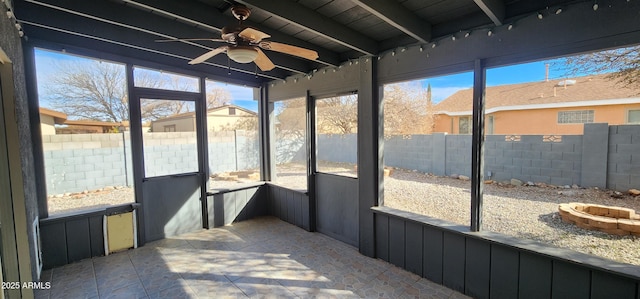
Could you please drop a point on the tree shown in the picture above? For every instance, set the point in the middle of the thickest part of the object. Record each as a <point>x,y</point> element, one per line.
<point>623,65</point>
<point>290,129</point>
<point>95,90</point>
<point>337,115</point>
<point>408,110</point>
<point>217,97</point>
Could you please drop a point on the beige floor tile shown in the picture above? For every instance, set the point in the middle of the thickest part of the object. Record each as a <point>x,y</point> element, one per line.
<point>260,258</point>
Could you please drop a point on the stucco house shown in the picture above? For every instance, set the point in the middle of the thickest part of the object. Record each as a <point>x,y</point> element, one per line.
<point>218,119</point>
<point>50,118</point>
<point>537,108</point>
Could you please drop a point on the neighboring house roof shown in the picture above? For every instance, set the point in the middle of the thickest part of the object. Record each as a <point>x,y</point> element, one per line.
<point>94,123</point>
<point>209,112</point>
<point>232,106</point>
<point>594,90</point>
<point>58,117</point>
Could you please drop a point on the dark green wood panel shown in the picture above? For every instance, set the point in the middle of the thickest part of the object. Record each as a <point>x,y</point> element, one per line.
<point>570,281</point>
<point>432,245</point>
<point>396,241</point>
<point>306,224</point>
<point>272,190</point>
<point>504,272</point>
<point>263,201</point>
<point>291,207</point>
<point>78,239</point>
<point>218,210</point>
<point>413,247</point>
<point>97,235</point>
<point>453,261</point>
<point>477,268</point>
<point>297,200</point>
<point>282,203</point>
<point>382,237</point>
<point>337,207</point>
<point>607,285</point>
<point>54,245</point>
<point>535,276</point>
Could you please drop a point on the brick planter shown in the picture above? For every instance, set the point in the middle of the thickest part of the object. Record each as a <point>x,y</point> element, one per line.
<point>612,220</point>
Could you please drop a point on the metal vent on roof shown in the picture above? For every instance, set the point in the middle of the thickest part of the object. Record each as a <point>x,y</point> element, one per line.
<point>566,83</point>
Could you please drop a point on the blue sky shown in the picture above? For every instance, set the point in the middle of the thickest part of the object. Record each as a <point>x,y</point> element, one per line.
<point>441,87</point>
<point>47,62</point>
<point>444,86</point>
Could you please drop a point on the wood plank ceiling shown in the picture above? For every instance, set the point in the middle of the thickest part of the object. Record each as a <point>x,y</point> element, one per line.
<point>338,30</point>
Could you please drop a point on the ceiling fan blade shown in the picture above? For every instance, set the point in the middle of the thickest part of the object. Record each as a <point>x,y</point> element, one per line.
<point>253,35</point>
<point>189,39</point>
<point>289,49</point>
<point>263,62</point>
<point>202,58</point>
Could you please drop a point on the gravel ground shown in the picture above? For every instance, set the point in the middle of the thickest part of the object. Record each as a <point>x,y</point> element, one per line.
<point>90,199</point>
<point>528,212</point>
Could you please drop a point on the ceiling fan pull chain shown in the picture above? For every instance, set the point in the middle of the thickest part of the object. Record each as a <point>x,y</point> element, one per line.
<point>256,70</point>
<point>228,66</point>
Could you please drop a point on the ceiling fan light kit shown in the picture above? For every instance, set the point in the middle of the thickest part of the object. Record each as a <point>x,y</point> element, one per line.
<point>242,54</point>
<point>246,42</point>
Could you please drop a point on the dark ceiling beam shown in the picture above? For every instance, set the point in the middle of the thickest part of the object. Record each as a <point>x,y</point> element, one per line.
<point>89,28</point>
<point>494,9</point>
<point>208,18</point>
<point>308,19</point>
<point>156,26</point>
<point>398,16</point>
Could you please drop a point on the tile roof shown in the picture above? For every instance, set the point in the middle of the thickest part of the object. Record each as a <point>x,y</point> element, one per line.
<point>589,88</point>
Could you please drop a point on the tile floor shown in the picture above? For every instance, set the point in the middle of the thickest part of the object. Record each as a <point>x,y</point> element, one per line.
<point>263,257</point>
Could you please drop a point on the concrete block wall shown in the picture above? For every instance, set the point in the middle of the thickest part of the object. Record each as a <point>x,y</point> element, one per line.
<point>409,152</point>
<point>248,149</point>
<point>457,155</point>
<point>605,156</point>
<point>74,163</point>
<point>222,155</point>
<point>338,148</point>
<point>623,159</point>
<point>78,162</point>
<point>534,158</point>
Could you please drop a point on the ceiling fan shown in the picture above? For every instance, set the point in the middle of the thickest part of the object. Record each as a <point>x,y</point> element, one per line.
<point>245,44</point>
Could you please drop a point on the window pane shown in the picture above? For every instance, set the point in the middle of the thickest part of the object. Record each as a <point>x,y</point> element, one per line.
<point>336,130</point>
<point>534,160</point>
<point>464,125</point>
<point>634,117</point>
<point>575,117</point>
<point>169,137</point>
<point>149,78</point>
<point>234,150</point>
<point>427,154</point>
<point>85,132</point>
<point>290,143</point>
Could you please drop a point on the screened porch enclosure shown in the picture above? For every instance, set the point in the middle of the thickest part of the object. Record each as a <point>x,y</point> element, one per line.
<point>291,201</point>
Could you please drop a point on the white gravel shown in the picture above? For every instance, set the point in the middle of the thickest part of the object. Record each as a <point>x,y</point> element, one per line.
<point>527,212</point>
